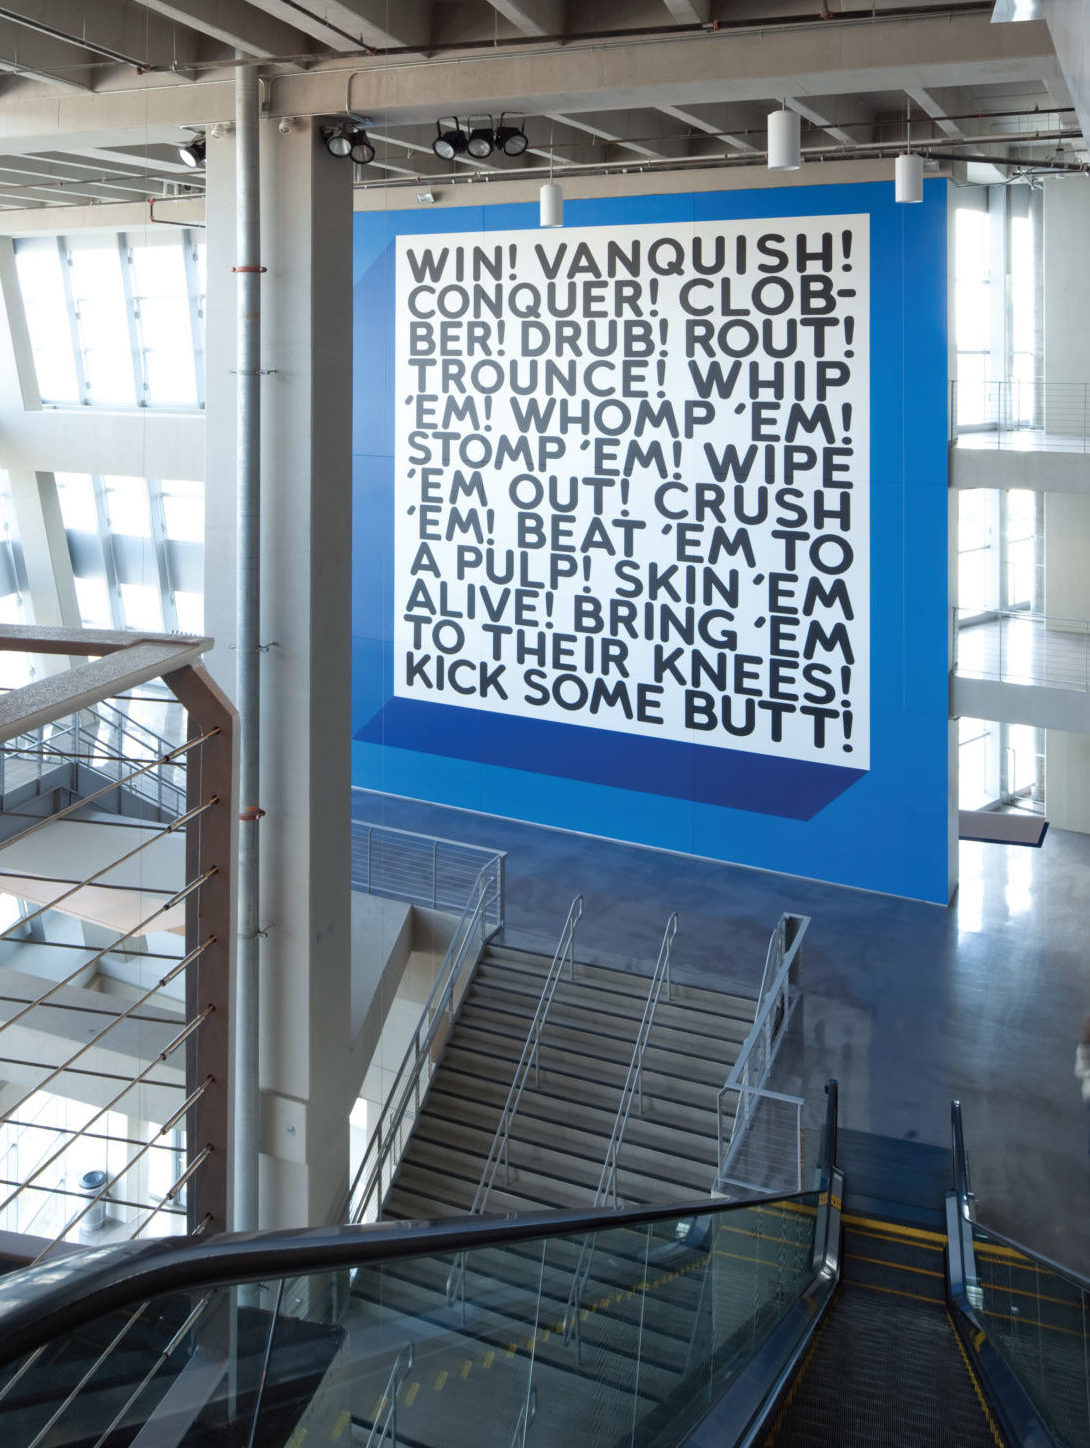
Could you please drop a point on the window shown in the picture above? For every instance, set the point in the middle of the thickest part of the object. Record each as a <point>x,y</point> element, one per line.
<point>137,549</point>
<point>115,320</point>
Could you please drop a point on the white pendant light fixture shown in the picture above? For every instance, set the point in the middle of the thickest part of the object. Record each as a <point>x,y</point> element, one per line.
<point>908,178</point>
<point>784,140</point>
<point>552,198</point>
<point>908,169</point>
<point>552,204</point>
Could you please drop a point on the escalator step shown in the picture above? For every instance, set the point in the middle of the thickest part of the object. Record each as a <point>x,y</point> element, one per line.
<point>883,1369</point>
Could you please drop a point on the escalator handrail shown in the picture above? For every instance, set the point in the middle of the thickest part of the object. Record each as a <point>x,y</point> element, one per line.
<point>963,1192</point>
<point>42,1302</point>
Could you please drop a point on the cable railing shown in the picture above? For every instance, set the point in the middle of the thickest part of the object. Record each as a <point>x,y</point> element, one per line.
<point>680,1324</point>
<point>1021,415</point>
<point>104,739</point>
<point>631,1091</point>
<point>479,922</point>
<point>120,1127</point>
<point>1015,646</point>
<point>421,869</point>
<point>499,1149</point>
<point>759,1130</point>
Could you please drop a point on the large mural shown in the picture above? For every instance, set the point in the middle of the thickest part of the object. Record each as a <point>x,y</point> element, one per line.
<point>650,512</point>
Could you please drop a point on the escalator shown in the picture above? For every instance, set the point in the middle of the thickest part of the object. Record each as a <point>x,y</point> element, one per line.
<point>882,1317</point>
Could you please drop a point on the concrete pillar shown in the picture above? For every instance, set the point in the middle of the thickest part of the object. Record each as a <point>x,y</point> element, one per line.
<point>307,1080</point>
<point>1067,515</point>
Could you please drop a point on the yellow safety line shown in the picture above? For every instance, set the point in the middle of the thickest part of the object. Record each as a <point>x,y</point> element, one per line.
<point>340,1425</point>
<point>999,1439</point>
<point>919,1233</point>
<point>796,1383</point>
<point>896,1292</point>
<point>897,1266</point>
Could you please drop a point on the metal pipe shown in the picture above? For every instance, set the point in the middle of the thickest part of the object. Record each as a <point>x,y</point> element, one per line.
<point>248,597</point>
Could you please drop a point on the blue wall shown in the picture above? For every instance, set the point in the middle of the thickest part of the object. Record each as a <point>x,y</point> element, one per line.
<point>883,827</point>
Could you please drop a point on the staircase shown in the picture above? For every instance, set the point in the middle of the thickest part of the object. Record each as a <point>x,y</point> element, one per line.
<point>566,1116</point>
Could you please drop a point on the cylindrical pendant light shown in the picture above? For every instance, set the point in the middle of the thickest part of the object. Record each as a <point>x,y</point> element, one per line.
<point>552,204</point>
<point>908,178</point>
<point>784,141</point>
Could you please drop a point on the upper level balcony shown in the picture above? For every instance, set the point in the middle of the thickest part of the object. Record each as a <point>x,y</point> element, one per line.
<point>1014,434</point>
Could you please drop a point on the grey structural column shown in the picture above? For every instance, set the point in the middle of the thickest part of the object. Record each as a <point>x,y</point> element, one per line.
<point>307,1081</point>
<point>307,1078</point>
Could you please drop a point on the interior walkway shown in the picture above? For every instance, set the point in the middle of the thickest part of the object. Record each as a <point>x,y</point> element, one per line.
<point>1027,650</point>
<point>906,1004</point>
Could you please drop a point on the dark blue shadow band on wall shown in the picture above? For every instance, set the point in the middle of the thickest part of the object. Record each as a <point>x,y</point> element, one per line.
<point>793,789</point>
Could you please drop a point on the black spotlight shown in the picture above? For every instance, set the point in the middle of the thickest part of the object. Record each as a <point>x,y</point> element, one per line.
<point>193,153</point>
<point>362,151</point>
<point>511,140</point>
<point>481,141</point>
<point>450,143</point>
<point>339,143</point>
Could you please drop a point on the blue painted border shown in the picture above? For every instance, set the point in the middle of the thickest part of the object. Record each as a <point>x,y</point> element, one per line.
<point>886,829</point>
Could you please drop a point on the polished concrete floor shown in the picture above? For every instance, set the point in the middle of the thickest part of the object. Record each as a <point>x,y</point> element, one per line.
<point>907,1004</point>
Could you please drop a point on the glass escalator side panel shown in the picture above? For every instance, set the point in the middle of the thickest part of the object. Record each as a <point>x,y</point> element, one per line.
<point>1039,1321</point>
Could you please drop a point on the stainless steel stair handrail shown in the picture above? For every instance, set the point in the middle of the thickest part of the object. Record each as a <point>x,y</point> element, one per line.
<point>386,1427</point>
<point>607,1181</point>
<point>498,1150</point>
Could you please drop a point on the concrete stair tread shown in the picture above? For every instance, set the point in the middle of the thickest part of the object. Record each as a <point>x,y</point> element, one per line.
<point>593,982</point>
<point>580,1158</point>
<point>598,1059</point>
<point>708,1036</point>
<point>666,1098</point>
<point>663,1048</point>
<point>557,1179</point>
<point>451,1113</point>
<point>557,1087</point>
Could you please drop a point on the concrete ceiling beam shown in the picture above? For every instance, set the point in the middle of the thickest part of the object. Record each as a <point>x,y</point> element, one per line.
<point>709,128</point>
<point>931,107</point>
<point>689,12</point>
<point>109,29</point>
<point>532,17</point>
<point>26,52</point>
<point>817,62</point>
<point>242,27</point>
<point>350,24</point>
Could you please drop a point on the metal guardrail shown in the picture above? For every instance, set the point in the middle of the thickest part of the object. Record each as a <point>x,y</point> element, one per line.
<point>1014,646</point>
<point>420,869</point>
<point>1021,415</point>
<point>481,918</point>
<point>633,1085</point>
<point>781,987</point>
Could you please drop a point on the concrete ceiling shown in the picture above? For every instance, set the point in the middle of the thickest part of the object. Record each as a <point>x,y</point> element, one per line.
<point>95,99</point>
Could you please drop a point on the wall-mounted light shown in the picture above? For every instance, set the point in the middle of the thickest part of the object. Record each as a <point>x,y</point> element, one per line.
<point>552,205</point>
<point>425,198</point>
<point>451,142</point>
<point>784,140</point>
<point>348,142</point>
<point>338,143</point>
<point>192,154</point>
